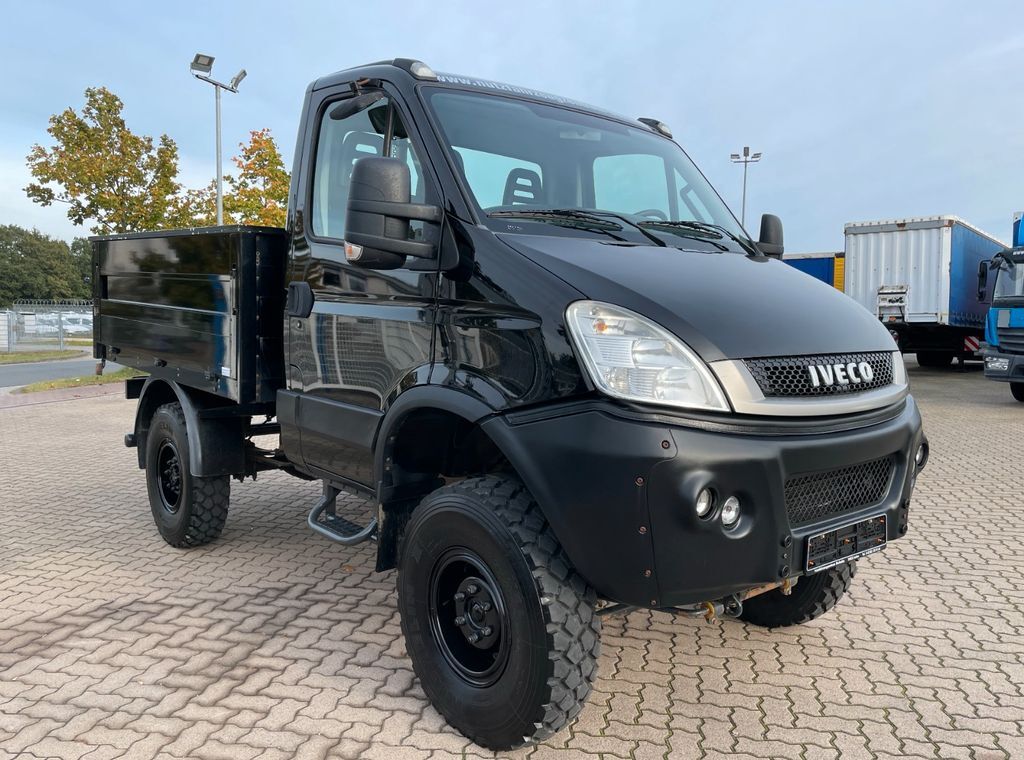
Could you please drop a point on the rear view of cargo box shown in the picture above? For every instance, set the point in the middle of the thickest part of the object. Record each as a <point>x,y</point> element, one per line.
<point>203,307</point>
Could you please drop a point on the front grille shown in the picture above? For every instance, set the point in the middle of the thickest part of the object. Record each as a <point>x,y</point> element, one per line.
<point>1011,339</point>
<point>823,494</point>
<point>789,375</point>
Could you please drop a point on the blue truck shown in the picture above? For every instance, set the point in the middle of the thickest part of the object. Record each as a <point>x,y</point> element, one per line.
<point>1004,327</point>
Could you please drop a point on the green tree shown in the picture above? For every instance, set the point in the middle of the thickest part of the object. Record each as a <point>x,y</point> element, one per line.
<point>81,256</point>
<point>34,265</point>
<point>104,172</point>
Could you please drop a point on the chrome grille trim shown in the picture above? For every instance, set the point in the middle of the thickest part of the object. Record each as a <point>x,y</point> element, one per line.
<point>746,396</point>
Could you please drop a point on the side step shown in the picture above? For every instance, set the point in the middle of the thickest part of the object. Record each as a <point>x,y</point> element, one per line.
<point>324,521</point>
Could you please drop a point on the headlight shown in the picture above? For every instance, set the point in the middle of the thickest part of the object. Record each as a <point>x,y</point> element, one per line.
<point>631,357</point>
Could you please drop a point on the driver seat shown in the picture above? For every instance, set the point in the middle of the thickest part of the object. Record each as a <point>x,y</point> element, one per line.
<point>523,188</point>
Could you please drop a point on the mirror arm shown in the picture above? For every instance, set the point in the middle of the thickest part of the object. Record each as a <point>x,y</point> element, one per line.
<point>401,247</point>
<point>418,211</point>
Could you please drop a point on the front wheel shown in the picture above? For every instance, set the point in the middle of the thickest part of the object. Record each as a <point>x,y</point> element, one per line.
<point>811,597</point>
<point>501,630</point>
<point>188,510</point>
<point>1017,390</point>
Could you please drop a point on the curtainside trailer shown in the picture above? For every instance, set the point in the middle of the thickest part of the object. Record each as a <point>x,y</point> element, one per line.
<point>827,266</point>
<point>919,277</point>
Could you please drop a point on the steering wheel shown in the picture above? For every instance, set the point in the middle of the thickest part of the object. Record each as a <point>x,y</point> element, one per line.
<point>653,212</point>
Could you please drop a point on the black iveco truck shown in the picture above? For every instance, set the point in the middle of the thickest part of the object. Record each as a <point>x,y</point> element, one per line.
<point>534,335</point>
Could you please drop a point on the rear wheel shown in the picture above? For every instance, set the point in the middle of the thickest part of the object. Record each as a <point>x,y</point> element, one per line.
<point>1017,389</point>
<point>811,597</point>
<point>501,630</point>
<point>936,359</point>
<point>188,510</point>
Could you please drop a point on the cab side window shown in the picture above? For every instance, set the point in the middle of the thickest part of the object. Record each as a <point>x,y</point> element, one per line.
<point>342,142</point>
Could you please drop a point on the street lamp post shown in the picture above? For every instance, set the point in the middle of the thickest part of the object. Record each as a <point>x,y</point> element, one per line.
<point>746,158</point>
<point>201,67</point>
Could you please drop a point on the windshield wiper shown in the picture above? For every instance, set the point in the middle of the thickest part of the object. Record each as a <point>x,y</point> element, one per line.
<point>706,227</point>
<point>599,217</point>
<point>579,220</point>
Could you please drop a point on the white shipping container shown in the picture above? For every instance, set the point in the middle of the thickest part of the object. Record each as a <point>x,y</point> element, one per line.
<point>921,270</point>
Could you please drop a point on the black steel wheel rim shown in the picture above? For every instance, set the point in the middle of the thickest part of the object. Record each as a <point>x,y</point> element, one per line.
<point>168,468</point>
<point>468,617</point>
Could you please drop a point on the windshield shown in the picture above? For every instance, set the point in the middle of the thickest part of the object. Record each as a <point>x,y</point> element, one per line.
<point>519,157</point>
<point>1009,279</point>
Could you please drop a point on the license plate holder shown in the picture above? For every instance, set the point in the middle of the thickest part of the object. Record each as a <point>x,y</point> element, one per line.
<point>859,539</point>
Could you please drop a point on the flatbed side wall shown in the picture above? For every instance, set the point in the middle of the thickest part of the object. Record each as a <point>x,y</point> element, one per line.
<point>204,308</point>
<point>969,249</point>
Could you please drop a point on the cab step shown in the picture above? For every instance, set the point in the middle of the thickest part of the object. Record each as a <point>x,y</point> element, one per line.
<point>324,520</point>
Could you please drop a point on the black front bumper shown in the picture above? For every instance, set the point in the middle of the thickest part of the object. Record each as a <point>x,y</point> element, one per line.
<point>619,489</point>
<point>1014,372</point>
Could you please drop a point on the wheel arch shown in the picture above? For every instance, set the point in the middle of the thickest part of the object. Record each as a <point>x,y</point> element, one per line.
<point>458,441</point>
<point>215,446</point>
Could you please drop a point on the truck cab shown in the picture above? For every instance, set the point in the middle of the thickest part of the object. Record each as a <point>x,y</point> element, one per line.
<point>1004,326</point>
<point>534,336</point>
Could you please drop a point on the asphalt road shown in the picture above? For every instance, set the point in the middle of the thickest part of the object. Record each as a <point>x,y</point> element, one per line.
<point>34,372</point>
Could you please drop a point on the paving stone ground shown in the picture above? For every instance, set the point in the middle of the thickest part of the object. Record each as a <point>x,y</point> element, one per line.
<point>274,643</point>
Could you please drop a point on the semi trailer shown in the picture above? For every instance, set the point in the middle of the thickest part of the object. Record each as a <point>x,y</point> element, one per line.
<point>918,277</point>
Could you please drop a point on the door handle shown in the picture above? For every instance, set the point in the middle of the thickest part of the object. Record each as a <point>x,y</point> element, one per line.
<point>300,299</point>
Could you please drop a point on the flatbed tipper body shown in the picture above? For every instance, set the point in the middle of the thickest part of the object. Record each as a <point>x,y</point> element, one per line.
<point>568,379</point>
<point>203,307</point>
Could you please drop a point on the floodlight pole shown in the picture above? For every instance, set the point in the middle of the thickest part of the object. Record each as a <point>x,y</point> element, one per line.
<point>220,173</point>
<point>746,159</point>
<point>202,66</point>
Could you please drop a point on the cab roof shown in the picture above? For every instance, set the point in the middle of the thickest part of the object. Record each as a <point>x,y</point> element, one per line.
<point>403,67</point>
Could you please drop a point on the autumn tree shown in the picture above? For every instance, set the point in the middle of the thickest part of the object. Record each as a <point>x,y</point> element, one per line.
<point>104,172</point>
<point>258,194</point>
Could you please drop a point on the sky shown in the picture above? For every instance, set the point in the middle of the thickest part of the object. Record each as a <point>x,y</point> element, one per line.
<point>875,109</point>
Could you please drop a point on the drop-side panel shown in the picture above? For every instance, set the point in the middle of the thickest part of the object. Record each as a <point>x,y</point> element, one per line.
<point>203,307</point>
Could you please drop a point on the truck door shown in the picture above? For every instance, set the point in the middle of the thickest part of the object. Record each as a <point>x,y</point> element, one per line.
<point>370,332</point>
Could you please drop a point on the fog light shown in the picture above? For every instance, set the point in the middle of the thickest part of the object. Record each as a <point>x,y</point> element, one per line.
<point>921,455</point>
<point>705,501</point>
<point>730,511</point>
<point>997,363</point>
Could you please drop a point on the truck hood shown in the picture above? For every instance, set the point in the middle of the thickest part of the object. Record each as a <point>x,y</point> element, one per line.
<point>723,305</point>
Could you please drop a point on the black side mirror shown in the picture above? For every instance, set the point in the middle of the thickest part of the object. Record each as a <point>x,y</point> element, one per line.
<point>378,216</point>
<point>770,240</point>
<point>983,279</point>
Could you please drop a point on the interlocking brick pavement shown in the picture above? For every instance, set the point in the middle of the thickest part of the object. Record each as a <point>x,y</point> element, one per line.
<point>275,643</point>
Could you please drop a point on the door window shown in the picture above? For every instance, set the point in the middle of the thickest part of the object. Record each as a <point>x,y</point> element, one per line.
<point>342,142</point>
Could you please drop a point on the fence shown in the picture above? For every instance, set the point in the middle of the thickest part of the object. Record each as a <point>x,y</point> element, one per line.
<point>46,326</point>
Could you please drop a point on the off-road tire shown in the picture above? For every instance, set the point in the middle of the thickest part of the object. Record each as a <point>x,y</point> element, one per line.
<point>811,597</point>
<point>935,359</point>
<point>202,508</point>
<point>554,633</point>
<point>1017,391</point>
